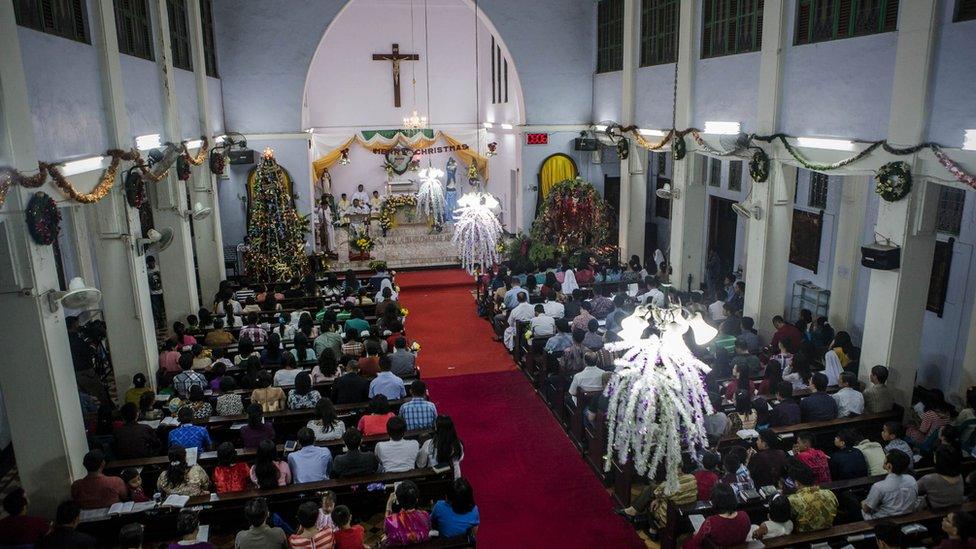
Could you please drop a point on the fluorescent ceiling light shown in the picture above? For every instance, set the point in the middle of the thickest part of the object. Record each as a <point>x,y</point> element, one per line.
<point>721,128</point>
<point>81,166</point>
<point>507,127</point>
<point>146,142</point>
<point>195,144</point>
<point>969,143</point>
<point>657,133</point>
<point>831,144</point>
<point>600,128</point>
<point>487,125</point>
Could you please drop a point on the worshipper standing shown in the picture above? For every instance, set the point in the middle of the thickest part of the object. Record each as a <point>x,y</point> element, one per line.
<point>896,494</point>
<point>457,514</point>
<point>397,454</point>
<point>847,461</point>
<point>256,428</point>
<point>813,507</point>
<point>726,527</point>
<point>767,461</point>
<point>444,449</point>
<point>818,406</point>
<point>386,383</point>
<point>268,471</point>
<point>96,489</point>
<point>354,462</point>
<point>850,402</point>
<point>945,487</point>
<point>260,535</point>
<point>19,528</point>
<point>374,423</point>
<point>230,475</point>
<point>63,534</point>
<point>303,396</point>
<point>813,458</point>
<point>310,463</point>
<point>327,425</point>
<point>405,524</point>
<point>309,535</point>
<point>878,397</point>
<point>418,412</point>
<point>182,479</point>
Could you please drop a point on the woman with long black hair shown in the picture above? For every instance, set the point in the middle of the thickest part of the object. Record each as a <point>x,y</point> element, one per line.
<point>268,471</point>
<point>444,449</point>
<point>303,396</point>
<point>327,426</point>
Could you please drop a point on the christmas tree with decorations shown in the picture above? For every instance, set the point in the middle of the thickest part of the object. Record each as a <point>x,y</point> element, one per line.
<point>275,232</point>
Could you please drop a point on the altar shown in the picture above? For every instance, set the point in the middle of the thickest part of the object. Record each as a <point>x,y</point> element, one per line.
<point>410,243</point>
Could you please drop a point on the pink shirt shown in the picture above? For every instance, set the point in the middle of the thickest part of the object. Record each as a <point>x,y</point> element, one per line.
<point>284,474</point>
<point>169,361</point>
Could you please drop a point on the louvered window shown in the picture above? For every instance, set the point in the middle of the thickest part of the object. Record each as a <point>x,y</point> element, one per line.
<point>610,35</point>
<point>179,34</point>
<point>209,44</point>
<point>66,18</point>
<point>133,28</point>
<point>823,20</point>
<point>965,10</point>
<point>730,27</point>
<point>659,32</point>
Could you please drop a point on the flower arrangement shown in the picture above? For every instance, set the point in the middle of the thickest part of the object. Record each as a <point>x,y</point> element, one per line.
<point>362,242</point>
<point>389,207</point>
<point>894,181</point>
<point>759,166</point>
<point>404,311</point>
<point>573,217</point>
<point>377,265</point>
<point>431,201</point>
<point>476,230</point>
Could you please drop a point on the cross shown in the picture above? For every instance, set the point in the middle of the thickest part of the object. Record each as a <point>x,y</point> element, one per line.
<point>396,57</point>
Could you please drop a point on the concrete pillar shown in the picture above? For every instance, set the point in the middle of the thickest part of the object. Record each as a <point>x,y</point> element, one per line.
<point>42,406</point>
<point>122,268</point>
<point>636,179</point>
<point>896,300</point>
<point>176,263</point>
<point>628,225</point>
<point>688,209</point>
<point>768,235</point>
<point>206,232</point>
<point>847,254</point>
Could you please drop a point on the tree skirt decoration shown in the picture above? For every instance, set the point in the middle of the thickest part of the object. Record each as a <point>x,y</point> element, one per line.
<point>573,217</point>
<point>430,197</point>
<point>43,219</point>
<point>759,166</point>
<point>275,232</point>
<point>389,207</point>
<point>894,181</point>
<point>657,403</point>
<point>476,230</point>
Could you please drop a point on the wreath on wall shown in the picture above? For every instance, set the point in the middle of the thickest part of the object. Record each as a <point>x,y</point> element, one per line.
<point>43,219</point>
<point>894,181</point>
<point>678,147</point>
<point>135,190</point>
<point>759,166</point>
<point>398,164</point>
<point>217,162</point>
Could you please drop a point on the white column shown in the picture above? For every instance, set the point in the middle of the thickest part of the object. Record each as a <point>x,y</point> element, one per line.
<point>847,254</point>
<point>627,224</point>
<point>122,269</point>
<point>896,299</point>
<point>206,232</point>
<point>688,209</point>
<point>176,263</point>
<point>36,374</point>
<point>768,235</point>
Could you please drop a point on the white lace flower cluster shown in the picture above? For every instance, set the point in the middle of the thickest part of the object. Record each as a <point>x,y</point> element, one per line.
<point>430,196</point>
<point>476,230</point>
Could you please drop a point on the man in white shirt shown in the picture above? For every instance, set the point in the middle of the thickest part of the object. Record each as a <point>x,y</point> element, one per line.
<point>397,454</point>
<point>554,308</point>
<point>896,494</point>
<point>717,311</point>
<point>590,378</point>
<point>542,324</point>
<point>361,196</point>
<point>653,295</point>
<point>523,312</point>
<point>850,402</point>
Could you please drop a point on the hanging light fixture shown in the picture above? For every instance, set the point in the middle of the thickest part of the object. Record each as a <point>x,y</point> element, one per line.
<point>415,121</point>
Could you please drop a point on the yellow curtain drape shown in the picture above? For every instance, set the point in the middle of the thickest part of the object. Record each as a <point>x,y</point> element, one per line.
<point>417,142</point>
<point>554,170</point>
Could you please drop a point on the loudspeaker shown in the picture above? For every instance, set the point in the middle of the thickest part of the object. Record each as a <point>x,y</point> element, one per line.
<point>245,156</point>
<point>881,257</point>
<point>585,144</point>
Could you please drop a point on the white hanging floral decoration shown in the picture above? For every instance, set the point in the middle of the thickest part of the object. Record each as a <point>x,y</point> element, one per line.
<point>430,197</point>
<point>476,230</point>
<point>657,399</point>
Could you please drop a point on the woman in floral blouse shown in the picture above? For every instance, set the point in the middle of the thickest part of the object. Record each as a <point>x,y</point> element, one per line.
<point>182,479</point>
<point>303,396</point>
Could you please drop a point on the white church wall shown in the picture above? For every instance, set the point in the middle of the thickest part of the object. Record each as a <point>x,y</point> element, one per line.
<point>953,79</point>
<point>726,89</point>
<point>653,100</point>
<point>532,158</point>
<point>606,96</point>
<point>143,98</point>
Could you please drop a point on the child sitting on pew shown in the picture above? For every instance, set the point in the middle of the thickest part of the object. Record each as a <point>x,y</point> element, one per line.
<point>893,435</point>
<point>779,522</point>
<point>347,535</point>
<point>814,458</point>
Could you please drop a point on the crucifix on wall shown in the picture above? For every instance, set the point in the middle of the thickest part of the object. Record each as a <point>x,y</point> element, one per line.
<point>395,57</point>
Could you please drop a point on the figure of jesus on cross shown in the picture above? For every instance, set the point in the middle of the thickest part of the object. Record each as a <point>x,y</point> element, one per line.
<point>395,57</point>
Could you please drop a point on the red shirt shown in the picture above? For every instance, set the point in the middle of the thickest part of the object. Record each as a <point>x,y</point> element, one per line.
<point>818,462</point>
<point>706,480</point>
<point>369,366</point>
<point>349,538</point>
<point>721,532</point>
<point>97,490</point>
<point>787,332</point>
<point>231,479</point>
<point>22,530</point>
<point>374,424</point>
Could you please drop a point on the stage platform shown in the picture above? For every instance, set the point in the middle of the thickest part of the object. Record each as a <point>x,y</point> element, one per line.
<point>406,245</point>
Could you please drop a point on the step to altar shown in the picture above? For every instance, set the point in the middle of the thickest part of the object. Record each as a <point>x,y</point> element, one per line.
<point>407,245</point>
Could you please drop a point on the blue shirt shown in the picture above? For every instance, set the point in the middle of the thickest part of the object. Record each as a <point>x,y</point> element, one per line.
<point>310,464</point>
<point>419,413</point>
<point>451,524</point>
<point>559,342</point>
<point>388,385</point>
<point>190,436</point>
<point>511,297</point>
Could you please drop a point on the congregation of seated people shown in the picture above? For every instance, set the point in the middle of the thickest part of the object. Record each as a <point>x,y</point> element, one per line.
<point>806,375</point>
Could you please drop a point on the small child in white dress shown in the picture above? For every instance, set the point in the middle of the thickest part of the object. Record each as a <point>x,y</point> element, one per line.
<point>779,523</point>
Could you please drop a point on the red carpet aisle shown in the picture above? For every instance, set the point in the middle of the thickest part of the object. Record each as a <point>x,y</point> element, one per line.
<point>531,485</point>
